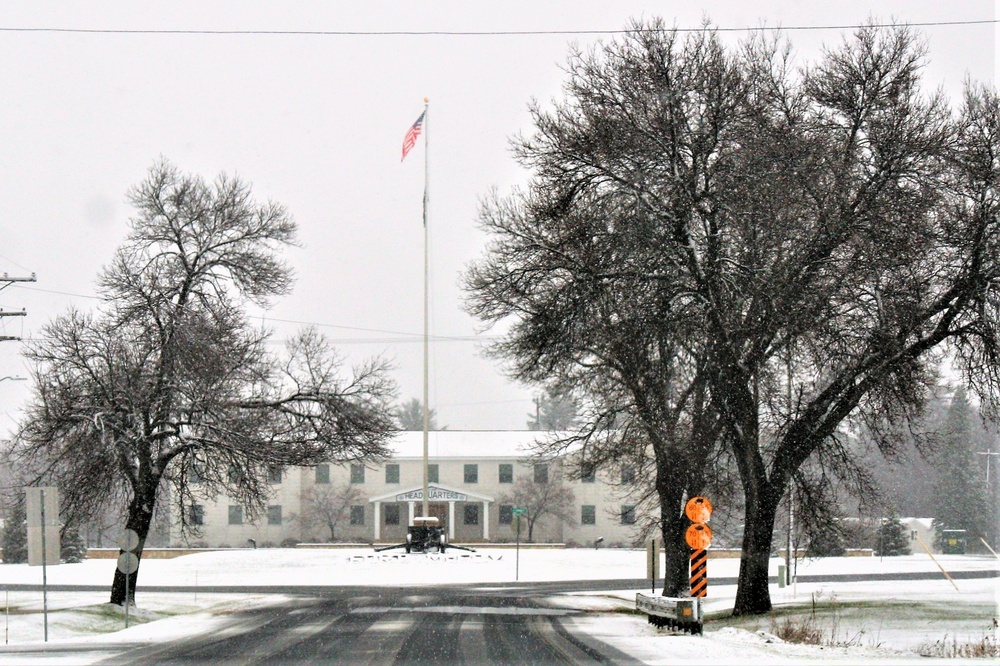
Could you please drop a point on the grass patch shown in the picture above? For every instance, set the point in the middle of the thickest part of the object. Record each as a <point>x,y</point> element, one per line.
<point>798,630</point>
<point>951,648</point>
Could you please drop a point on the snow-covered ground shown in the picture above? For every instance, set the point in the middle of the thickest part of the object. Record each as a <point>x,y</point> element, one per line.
<point>872,622</point>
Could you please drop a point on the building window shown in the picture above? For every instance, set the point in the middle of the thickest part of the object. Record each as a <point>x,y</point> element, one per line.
<point>392,514</point>
<point>274,514</point>
<point>392,473</point>
<point>274,474</point>
<point>195,477</point>
<point>471,512</point>
<point>235,515</point>
<point>196,514</point>
<point>357,473</point>
<point>588,514</point>
<point>357,515</point>
<point>506,514</point>
<point>472,473</point>
<point>506,473</point>
<point>233,474</point>
<point>432,473</point>
<point>322,474</point>
<point>541,473</point>
<point>628,474</point>
<point>628,514</point>
<point>588,474</point>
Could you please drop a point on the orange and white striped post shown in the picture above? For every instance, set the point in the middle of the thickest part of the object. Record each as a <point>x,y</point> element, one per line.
<point>699,538</point>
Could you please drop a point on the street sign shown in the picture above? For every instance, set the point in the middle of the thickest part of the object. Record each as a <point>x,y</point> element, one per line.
<point>698,536</point>
<point>128,563</point>
<point>42,501</point>
<point>128,541</point>
<point>519,511</point>
<point>698,509</point>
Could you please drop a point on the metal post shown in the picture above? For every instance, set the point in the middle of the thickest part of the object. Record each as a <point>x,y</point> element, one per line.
<point>45,557</point>
<point>791,483</point>
<point>517,551</point>
<point>652,567</point>
<point>427,409</point>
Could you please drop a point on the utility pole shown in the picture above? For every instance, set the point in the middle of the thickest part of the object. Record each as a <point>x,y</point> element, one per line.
<point>5,282</point>
<point>989,453</point>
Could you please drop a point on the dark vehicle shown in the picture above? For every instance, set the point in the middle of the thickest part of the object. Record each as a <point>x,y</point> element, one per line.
<point>425,535</point>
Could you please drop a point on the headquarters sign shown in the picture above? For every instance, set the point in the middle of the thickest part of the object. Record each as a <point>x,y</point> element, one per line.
<point>433,494</point>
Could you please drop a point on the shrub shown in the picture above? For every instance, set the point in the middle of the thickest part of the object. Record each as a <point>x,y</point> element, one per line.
<point>828,543</point>
<point>289,542</point>
<point>798,630</point>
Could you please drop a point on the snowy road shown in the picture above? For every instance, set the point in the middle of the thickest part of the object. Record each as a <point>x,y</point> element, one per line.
<point>388,627</point>
<point>567,606</point>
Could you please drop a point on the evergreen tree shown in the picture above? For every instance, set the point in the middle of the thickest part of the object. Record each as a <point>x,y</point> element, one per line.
<point>410,416</point>
<point>15,535</point>
<point>553,412</point>
<point>892,538</point>
<point>73,547</point>
<point>960,494</point>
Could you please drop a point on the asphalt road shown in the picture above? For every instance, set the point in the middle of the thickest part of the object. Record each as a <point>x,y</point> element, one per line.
<point>508,623</point>
<point>390,627</point>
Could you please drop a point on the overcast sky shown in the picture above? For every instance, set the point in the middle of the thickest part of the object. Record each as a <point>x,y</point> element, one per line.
<point>316,122</point>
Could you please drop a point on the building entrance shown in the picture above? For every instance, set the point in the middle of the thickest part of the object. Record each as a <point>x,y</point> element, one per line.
<point>439,510</point>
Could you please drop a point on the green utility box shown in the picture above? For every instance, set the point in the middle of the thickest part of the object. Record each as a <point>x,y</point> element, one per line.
<point>953,542</point>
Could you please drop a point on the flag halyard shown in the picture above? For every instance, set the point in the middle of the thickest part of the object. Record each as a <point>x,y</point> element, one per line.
<point>411,135</point>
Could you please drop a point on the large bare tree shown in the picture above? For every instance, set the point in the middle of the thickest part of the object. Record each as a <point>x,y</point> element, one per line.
<point>742,257</point>
<point>166,391</point>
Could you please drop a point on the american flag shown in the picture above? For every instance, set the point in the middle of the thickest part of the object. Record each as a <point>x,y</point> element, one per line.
<point>411,135</point>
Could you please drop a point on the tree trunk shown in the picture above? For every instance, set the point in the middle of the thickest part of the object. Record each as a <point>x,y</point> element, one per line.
<point>670,489</point>
<point>676,568</point>
<point>752,593</point>
<point>140,516</point>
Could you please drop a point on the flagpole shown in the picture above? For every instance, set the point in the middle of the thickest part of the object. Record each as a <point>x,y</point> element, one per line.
<point>426,308</point>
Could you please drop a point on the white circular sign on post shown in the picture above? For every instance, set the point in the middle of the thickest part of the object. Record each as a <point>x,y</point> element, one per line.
<point>128,563</point>
<point>128,541</point>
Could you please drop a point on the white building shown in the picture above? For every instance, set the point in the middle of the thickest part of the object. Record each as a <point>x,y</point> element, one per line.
<point>471,475</point>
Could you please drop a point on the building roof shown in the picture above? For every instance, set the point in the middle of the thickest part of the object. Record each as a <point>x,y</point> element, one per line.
<point>466,443</point>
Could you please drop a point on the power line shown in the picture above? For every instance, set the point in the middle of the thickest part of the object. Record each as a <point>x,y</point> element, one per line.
<point>398,336</point>
<point>475,33</point>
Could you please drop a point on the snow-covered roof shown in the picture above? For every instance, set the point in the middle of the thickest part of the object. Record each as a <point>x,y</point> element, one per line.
<point>926,523</point>
<point>467,443</point>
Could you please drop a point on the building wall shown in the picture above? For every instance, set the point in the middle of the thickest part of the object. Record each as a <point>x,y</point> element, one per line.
<point>603,494</point>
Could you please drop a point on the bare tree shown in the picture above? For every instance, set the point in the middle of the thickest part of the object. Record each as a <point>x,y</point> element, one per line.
<point>539,499</point>
<point>328,505</point>
<point>167,384</point>
<point>792,250</point>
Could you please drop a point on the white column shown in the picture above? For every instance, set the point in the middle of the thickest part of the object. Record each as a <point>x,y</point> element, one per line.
<point>411,506</point>
<point>451,520</point>
<point>378,522</point>
<point>486,520</point>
